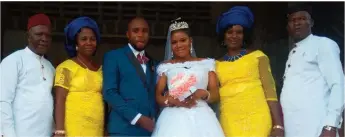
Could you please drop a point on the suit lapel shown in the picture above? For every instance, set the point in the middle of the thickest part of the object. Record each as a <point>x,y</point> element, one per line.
<point>148,72</point>
<point>136,65</point>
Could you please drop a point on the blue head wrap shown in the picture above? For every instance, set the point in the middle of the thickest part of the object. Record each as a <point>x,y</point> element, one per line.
<point>238,15</point>
<point>73,28</point>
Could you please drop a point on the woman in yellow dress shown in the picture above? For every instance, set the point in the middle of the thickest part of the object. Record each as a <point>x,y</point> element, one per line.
<point>79,109</point>
<point>248,100</point>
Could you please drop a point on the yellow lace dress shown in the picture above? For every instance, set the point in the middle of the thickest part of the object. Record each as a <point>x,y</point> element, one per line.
<point>246,86</point>
<point>84,113</point>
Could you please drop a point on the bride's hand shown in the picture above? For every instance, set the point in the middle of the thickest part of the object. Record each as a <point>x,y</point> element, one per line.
<point>172,102</point>
<point>175,102</point>
<point>190,101</point>
<point>200,94</point>
<point>197,95</point>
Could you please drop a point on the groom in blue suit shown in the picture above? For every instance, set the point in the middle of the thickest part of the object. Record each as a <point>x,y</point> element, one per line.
<point>129,80</point>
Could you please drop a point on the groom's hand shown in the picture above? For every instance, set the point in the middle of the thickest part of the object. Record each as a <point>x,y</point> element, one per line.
<point>146,123</point>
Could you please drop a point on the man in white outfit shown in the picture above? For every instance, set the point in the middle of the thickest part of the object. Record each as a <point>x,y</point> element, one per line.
<point>312,97</point>
<point>26,83</point>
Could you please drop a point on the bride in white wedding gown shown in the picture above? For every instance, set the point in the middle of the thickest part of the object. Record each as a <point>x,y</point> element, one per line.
<point>192,84</point>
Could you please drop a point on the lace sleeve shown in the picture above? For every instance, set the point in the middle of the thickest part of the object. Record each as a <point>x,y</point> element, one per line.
<point>210,64</point>
<point>267,79</point>
<point>63,77</point>
<point>162,68</point>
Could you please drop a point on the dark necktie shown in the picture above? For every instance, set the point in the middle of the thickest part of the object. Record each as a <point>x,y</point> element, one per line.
<point>142,59</point>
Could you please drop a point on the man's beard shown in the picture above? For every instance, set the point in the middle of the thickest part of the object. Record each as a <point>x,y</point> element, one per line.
<point>138,49</point>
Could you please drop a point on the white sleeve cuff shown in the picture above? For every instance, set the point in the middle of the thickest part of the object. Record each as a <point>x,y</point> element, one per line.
<point>136,118</point>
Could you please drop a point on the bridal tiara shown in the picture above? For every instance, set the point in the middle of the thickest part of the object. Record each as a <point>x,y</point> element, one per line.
<point>178,25</point>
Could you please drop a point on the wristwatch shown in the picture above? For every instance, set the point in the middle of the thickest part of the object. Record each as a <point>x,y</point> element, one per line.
<point>59,132</point>
<point>329,128</point>
<point>278,127</point>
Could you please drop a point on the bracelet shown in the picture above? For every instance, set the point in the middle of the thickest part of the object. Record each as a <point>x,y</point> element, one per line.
<point>208,96</point>
<point>278,127</point>
<point>166,102</point>
<point>59,132</point>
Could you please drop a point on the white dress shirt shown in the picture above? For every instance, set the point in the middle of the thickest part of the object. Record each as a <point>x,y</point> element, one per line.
<point>142,53</point>
<point>135,52</point>
<point>25,97</point>
<point>313,92</point>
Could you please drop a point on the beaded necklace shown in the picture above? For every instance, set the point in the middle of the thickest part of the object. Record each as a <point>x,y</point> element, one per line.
<point>236,57</point>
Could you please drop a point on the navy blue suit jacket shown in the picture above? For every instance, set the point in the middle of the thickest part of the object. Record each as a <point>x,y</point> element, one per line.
<point>128,91</point>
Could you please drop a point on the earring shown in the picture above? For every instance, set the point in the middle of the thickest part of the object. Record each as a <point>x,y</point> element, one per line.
<point>76,47</point>
<point>223,44</point>
<point>172,54</point>
<point>191,48</point>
